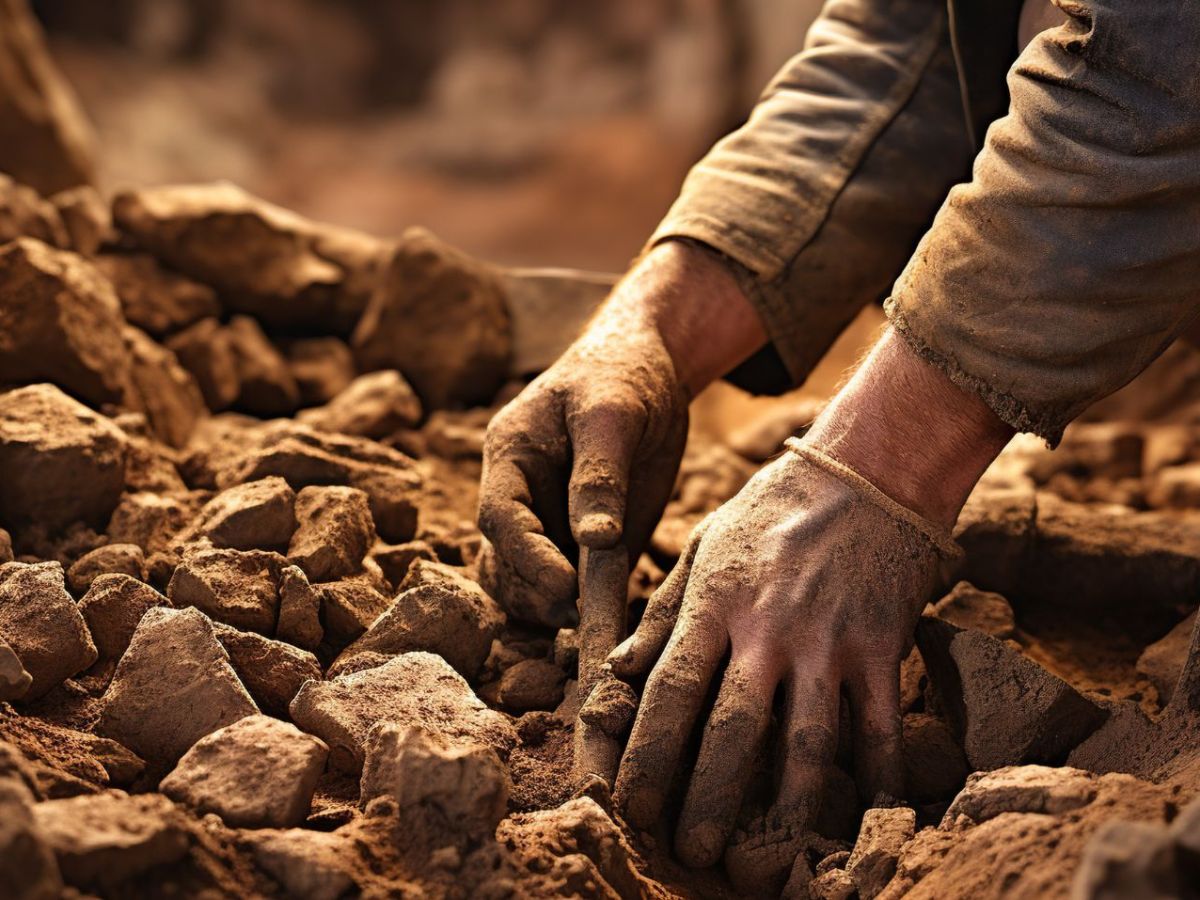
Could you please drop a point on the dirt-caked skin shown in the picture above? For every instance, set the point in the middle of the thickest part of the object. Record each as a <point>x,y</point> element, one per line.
<point>807,578</point>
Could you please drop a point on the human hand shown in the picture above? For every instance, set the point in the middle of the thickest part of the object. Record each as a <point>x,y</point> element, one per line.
<point>587,454</point>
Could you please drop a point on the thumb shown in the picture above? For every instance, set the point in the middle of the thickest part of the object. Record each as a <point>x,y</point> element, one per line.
<point>604,438</point>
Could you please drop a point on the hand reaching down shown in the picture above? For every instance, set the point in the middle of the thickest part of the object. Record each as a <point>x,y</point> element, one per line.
<point>809,578</point>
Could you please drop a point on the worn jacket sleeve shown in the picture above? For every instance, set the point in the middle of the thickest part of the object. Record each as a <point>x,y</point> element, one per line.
<point>820,198</point>
<point>1072,258</point>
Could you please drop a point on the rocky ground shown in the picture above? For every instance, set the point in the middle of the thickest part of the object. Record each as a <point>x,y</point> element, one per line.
<point>244,648</point>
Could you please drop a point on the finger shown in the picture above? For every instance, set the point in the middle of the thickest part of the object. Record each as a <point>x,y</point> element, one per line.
<point>519,597</point>
<point>875,707</point>
<point>670,704</point>
<point>810,740</point>
<point>636,655</point>
<point>506,517</point>
<point>733,735</point>
<point>604,438</point>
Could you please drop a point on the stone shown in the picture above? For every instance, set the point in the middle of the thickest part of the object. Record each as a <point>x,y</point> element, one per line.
<point>25,213</point>
<point>28,869</point>
<point>95,760</point>
<point>1128,860</point>
<point>396,559</point>
<point>62,463</point>
<point>996,531</point>
<point>45,138</point>
<point>154,298</point>
<point>1162,662</point>
<point>237,587</point>
<point>112,607</point>
<point>456,434</point>
<point>306,457</point>
<point>206,350</point>
<point>836,884</point>
<point>1175,487</point>
<point>709,474</point>
<point>299,610</point>
<point>322,366</point>
<point>173,686</point>
<point>531,684</point>
<point>417,689</point>
<point>257,515</point>
<point>1025,789</point>
<point>439,610</point>
<point>290,273</point>
<point>151,520</point>
<point>439,317</point>
<point>111,559</point>
<point>41,622</point>
<point>162,389</point>
<point>935,766</point>
<point>1007,709</point>
<point>872,863</point>
<point>103,839</point>
<point>15,682</point>
<point>762,437</point>
<point>272,671</point>
<point>308,864</point>
<point>968,607</point>
<point>6,548</point>
<point>566,649</point>
<point>86,217</point>
<point>334,530</point>
<point>461,787</point>
<point>267,387</point>
<point>258,772</point>
<point>348,609</point>
<point>60,322</point>
<point>375,406</point>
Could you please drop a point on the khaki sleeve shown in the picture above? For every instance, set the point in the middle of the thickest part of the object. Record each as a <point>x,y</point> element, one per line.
<point>820,198</point>
<point>1072,259</point>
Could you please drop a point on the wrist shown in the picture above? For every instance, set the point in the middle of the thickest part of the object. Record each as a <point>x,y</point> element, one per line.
<point>690,300</point>
<point>909,430</point>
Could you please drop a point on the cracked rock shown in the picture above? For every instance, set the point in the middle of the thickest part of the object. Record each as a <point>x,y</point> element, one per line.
<point>272,671</point>
<point>373,406</point>
<point>237,587</point>
<point>111,559</point>
<point>333,533</point>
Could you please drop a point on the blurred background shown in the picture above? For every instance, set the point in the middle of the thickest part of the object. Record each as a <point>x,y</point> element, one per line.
<point>547,132</point>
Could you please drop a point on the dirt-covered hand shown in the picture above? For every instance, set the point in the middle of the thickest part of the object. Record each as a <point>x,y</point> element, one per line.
<point>809,577</point>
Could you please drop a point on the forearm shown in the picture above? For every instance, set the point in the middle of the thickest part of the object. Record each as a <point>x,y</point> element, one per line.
<point>903,425</point>
<point>686,297</point>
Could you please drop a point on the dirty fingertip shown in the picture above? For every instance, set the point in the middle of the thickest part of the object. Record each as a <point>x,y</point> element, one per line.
<point>701,846</point>
<point>598,529</point>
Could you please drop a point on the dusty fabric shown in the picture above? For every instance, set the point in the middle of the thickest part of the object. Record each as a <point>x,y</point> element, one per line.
<point>1049,280</point>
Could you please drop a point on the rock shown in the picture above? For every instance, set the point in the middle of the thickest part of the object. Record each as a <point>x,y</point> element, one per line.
<point>373,406</point>
<point>62,323</point>
<point>15,682</point>
<point>709,474</point>
<point>237,587</point>
<point>206,349</point>
<point>934,763</point>
<point>150,520</point>
<point>574,850</point>
<point>763,436</point>
<point>62,463</point>
<point>348,609</point>
<point>323,367</point>
<point>257,515</point>
<point>1025,789</point>
<point>86,217</point>
<point>95,760</point>
<point>42,624</point>
<point>272,671</point>
<point>6,548</point>
<point>439,610</point>
<point>395,560</point>
<point>1006,708</point>
<point>610,707</point>
<point>417,689</point>
<point>1128,860</point>
<point>873,860</point>
<point>1162,662</point>
<point>299,610</point>
<point>24,213</point>
<point>566,649</point>
<point>28,869</point>
<point>996,531</point>
<point>308,864</point>
<point>456,434</point>
<point>462,788</point>
<point>968,607</point>
<point>112,607</point>
<point>1175,487</point>
<point>267,387</point>
<point>162,389</point>
<point>531,684</point>
<point>103,839</point>
<point>290,273</point>
<point>173,686</point>
<point>440,318</point>
<point>1094,450</point>
<point>111,559</point>
<point>836,884</point>
<point>334,530</point>
<point>256,773</point>
<point>305,457</point>
<point>153,297</point>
